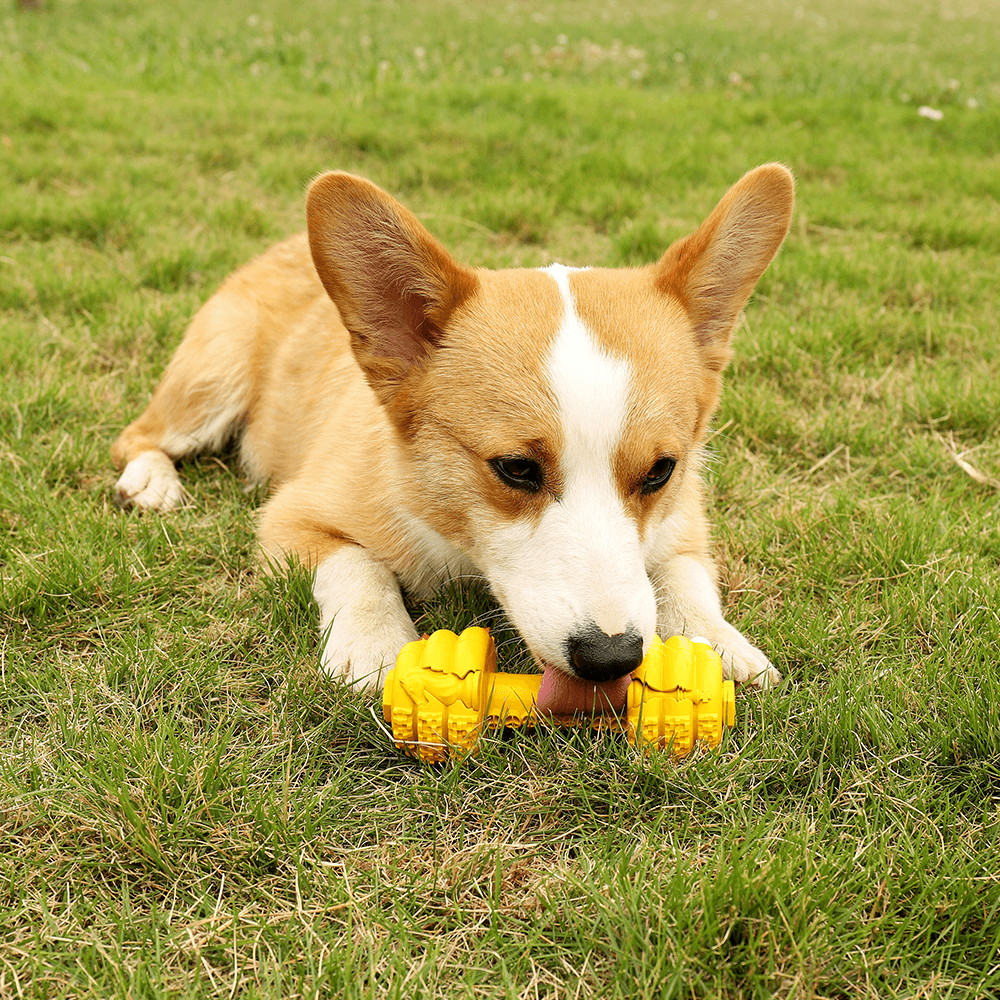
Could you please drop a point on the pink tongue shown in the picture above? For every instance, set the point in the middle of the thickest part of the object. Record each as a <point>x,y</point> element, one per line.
<point>561,694</point>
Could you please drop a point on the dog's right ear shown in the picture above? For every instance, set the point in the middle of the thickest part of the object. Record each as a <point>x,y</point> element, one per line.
<point>394,284</point>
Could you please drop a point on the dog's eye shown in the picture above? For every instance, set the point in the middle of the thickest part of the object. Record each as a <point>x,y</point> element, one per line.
<point>518,473</point>
<point>658,475</point>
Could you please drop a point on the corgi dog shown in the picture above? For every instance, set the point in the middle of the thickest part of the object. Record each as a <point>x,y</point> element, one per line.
<point>417,419</point>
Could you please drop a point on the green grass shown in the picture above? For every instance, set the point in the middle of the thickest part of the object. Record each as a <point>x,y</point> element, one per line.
<point>187,809</point>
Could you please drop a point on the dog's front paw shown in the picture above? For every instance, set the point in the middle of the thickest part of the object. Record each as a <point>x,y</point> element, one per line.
<point>362,616</point>
<point>150,482</point>
<point>362,645</point>
<point>746,664</point>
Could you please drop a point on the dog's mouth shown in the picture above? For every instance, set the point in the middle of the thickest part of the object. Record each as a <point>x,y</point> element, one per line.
<point>562,694</point>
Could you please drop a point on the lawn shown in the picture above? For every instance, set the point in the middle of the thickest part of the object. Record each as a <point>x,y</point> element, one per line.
<point>189,809</point>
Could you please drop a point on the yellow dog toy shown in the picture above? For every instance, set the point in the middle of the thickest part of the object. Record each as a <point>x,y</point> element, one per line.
<point>445,691</point>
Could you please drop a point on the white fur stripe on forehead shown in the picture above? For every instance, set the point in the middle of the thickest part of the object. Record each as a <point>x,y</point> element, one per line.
<point>591,387</point>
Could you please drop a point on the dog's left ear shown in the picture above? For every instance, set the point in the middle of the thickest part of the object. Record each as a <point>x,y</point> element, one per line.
<point>714,270</point>
<point>393,283</point>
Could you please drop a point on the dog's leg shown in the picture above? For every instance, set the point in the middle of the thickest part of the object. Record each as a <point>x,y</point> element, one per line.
<point>362,617</point>
<point>204,393</point>
<point>363,621</point>
<point>688,602</point>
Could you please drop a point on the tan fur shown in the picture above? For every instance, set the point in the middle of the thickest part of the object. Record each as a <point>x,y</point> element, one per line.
<point>371,378</point>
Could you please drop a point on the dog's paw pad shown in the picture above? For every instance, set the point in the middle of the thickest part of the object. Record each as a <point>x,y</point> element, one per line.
<point>150,482</point>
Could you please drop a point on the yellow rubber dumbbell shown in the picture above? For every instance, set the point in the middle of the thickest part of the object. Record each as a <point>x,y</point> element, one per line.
<point>445,691</point>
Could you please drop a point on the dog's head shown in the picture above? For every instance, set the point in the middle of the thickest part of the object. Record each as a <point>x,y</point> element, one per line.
<point>553,419</point>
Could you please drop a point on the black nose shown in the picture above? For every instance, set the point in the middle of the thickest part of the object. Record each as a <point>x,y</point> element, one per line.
<point>596,656</point>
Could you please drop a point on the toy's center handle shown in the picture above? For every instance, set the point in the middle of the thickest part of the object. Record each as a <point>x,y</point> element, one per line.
<point>512,698</point>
